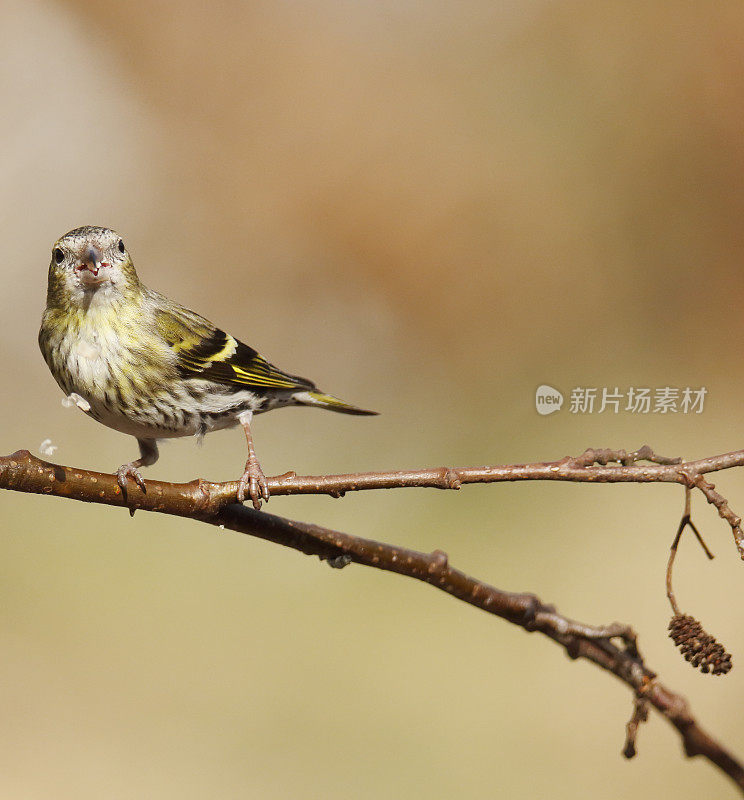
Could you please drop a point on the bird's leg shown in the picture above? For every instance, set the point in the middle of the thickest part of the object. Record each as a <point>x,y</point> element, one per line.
<point>148,456</point>
<point>253,478</point>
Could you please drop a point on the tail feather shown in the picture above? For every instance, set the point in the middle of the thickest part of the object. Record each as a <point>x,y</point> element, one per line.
<point>320,400</point>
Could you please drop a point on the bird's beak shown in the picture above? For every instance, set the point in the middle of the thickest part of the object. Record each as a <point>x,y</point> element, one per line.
<point>92,259</point>
<point>90,267</point>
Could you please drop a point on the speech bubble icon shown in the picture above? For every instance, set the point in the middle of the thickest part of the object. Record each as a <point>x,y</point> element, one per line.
<point>548,400</point>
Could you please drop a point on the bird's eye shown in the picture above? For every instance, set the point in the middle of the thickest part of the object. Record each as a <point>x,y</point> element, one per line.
<point>59,256</point>
<point>120,246</point>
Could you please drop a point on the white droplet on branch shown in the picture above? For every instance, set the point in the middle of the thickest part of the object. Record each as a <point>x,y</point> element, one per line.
<point>46,448</point>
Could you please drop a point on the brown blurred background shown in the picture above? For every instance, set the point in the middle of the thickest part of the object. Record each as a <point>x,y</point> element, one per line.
<point>431,209</point>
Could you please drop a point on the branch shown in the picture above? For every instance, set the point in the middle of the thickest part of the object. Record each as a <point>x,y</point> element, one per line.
<point>640,714</point>
<point>612,647</point>
<point>592,466</point>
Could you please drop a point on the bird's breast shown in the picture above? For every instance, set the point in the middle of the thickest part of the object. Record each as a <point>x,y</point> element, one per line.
<point>91,360</point>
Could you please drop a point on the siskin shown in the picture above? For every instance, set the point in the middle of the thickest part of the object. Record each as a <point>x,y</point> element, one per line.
<point>149,367</point>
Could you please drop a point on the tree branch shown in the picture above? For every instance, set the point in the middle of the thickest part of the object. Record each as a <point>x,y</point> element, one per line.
<point>592,466</point>
<point>612,647</point>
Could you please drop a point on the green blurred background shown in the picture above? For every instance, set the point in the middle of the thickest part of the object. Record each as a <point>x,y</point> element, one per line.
<point>431,209</point>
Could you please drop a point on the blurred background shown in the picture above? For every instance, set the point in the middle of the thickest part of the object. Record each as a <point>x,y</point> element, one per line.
<point>430,209</point>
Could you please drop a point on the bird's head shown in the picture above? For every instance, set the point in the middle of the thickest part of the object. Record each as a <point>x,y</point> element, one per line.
<point>89,262</point>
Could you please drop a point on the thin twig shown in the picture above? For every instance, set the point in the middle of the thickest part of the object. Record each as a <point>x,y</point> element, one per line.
<point>722,506</point>
<point>670,564</point>
<point>640,714</point>
<point>613,647</point>
<point>685,522</point>
<point>590,467</point>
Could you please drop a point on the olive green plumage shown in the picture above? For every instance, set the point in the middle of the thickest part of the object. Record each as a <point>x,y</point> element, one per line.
<point>145,365</point>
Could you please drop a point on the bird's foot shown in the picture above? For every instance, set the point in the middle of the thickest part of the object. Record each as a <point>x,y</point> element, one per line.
<point>255,482</point>
<point>130,471</point>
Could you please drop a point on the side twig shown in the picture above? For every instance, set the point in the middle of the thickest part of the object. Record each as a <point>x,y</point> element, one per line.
<point>640,715</point>
<point>697,646</point>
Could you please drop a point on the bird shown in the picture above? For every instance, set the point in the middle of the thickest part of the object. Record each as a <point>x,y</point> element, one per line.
<point>142,364</point>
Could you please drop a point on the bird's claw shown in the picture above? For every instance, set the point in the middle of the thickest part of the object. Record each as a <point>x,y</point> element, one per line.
<point>255,482</point>
<point>130,471</point>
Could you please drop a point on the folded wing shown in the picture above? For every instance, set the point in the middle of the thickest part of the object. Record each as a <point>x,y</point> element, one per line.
<point>205,352</point>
